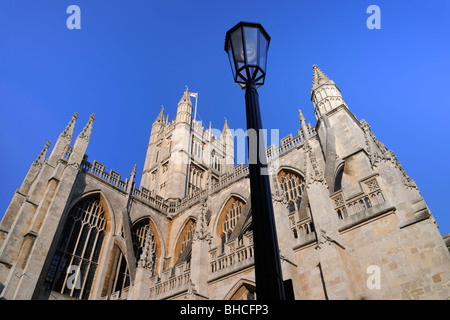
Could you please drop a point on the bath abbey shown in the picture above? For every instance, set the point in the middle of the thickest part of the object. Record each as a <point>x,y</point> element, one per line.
<point>351,223</point>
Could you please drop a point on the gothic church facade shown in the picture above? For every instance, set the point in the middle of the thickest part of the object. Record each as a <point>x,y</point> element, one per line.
<point>351,223</point>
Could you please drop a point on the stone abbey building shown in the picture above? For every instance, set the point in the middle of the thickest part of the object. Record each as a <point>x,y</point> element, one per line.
<point>351,223</point>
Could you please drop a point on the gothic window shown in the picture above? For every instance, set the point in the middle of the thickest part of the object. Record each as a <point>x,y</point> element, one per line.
<point>196,148</point>
<point>121,278</point>
<point>228,221</point>
<point>338,179</point>
<point>214,163</point>
<point>185,237</point>
<point>195,179</point>
<point>245,292</point>
<point>75,261</point>
<point>138,235</point>
<point>293,185</point>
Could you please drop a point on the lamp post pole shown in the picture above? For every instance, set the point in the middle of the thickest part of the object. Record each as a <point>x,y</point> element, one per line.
<point>246,45</point>
<point>269,279</point>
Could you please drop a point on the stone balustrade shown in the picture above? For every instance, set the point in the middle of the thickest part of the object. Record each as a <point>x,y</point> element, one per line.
<point>173,281</point>
<point>289,142</point>
<point>118,295</point>
<point>371,196</point>
<point>155,202</point>
<point>112,178</point>
<point>303,231</point>
<point>236,253</point>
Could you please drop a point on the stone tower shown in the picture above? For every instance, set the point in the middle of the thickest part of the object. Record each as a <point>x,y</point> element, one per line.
<point>180,154</point>
<point>177,180</point>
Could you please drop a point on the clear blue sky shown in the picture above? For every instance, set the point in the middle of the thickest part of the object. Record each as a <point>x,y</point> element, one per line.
<point>131,57</point>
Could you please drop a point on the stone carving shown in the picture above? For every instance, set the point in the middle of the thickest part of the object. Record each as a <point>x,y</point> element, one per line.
<point>278,194</point>
<point>319,78</point>
<point>86,133</point>
<point>201,232</point>
<point>382,154</point>
<point>147,258</point>
<point>208,180</point>
<point>191,292</point>
<point>315,175</point>
<point>68,131</point>
<point>323,238</point>
<point>41,157</point>
<point>75,165</point>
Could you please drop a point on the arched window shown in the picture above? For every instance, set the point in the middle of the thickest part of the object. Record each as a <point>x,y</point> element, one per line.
<point>244,292</point>
<point>293,185</point>
<point>228,220</point>
<point>75,261</point>
<point>138,235</point>
<point>185,237</point>
<point>121,278</point>
<point>338,179</point>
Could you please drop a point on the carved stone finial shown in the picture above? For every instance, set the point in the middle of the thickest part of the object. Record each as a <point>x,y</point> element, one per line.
<point>323,238</point>
<point>191,292</point>
<point>146,260</point>
<point>278,194</point>
<point>301,118</point>
<point>68,131</point>
<point>319,78</point>
<point>86,133</point>
<point>41,157</point>
<point>201,230</point>
<point>315,175</point>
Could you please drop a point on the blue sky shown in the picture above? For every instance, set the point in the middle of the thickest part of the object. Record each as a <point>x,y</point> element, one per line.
<point>131,57</point>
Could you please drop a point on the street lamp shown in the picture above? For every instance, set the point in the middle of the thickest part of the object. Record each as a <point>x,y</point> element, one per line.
<point>247,45</point>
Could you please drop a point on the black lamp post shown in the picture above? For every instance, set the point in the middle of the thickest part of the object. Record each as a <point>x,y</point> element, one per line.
<point>247,45</point>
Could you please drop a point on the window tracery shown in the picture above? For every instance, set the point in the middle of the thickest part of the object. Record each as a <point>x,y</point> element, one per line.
<point>293,186</point>
<point>185,237</point>
<point>138,235</point>
<point>232,212</point>
<point>78,250</point>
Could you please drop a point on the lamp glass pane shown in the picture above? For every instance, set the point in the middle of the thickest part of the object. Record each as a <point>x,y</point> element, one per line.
<point>238,47</point>
<point>251,70</point>
<point>243,74</point>
<point>258,74</point>
<point>263,48</point>
<point>230,56</point>
<point>251,45</point>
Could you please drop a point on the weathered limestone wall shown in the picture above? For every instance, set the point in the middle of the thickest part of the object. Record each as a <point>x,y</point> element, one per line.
<point>413,262</point>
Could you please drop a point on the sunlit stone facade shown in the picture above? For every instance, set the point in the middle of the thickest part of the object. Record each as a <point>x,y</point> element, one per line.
<point>351,223</point>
